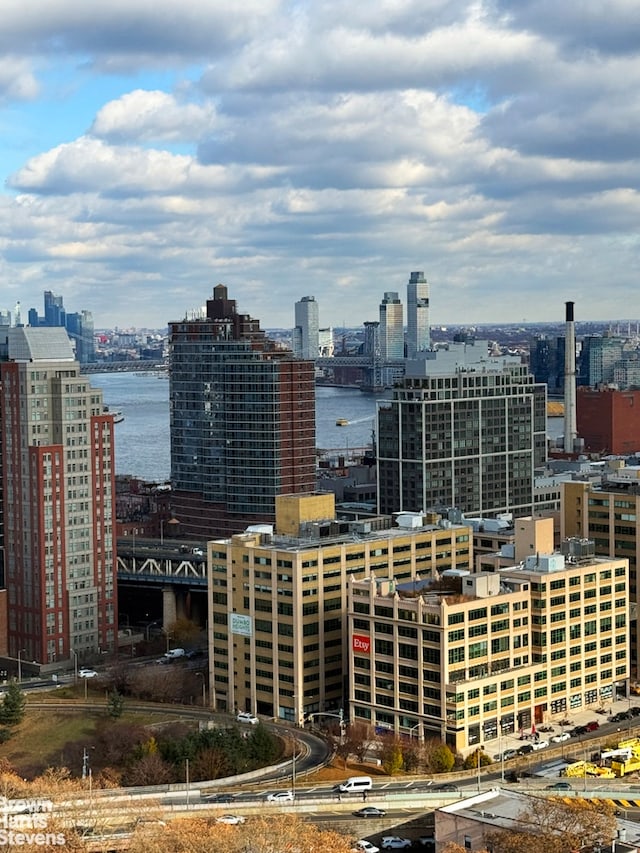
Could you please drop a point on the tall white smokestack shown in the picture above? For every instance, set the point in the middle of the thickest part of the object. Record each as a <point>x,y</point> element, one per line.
<point>570,421</point>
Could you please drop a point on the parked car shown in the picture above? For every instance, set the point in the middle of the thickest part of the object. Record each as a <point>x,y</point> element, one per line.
<point>395,842</point>
<point>447,786</point>
<point>525,749</point>
<point>246,717</point>
<point>559,786</point>
<point>561,737</point>
<point>540,744</point>
<point>592,726</point>
<point>579,730</point>
<point>370,811</point>
<point>87,673</point>
<point>364,846</point>
<point>506,755</point>
<point>280,797</point>
<point>427,841</point>
<point>231,819</point>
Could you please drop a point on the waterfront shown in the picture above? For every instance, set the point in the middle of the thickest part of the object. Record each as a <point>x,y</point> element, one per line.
<point>142,438</point>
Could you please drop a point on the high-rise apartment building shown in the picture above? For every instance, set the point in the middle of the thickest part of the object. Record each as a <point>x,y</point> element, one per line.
<point>306,333</point>
<point>242,421</point>
<point>464,429</point>
<point>391,329</point>
<point>418,329</point>
<point>277,600</point>
<point>477,656</point>
<point>58,512</point>
<point>598,359</point>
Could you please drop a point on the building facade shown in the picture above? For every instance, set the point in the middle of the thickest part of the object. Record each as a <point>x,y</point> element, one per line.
<point>608,420</point>
<point>418,330</point>
<point>478,656</point>
<point>58,516</point>
<point>391,330</point>
<point>278,602</point>
<point>608,514</point>
<point>306,333</point>
<point>463,430</point>
<point>242,421</point>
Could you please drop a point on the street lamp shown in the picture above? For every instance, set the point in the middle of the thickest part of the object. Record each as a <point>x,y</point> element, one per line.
<point>204,689</point>
<point>412,729</point>
<point>293,767</point>
<point>20,665</point>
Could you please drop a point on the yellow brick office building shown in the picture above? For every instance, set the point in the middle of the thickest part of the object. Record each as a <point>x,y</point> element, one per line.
<point>608,514</point>
<point>487,654</point>
<point>277,600</point>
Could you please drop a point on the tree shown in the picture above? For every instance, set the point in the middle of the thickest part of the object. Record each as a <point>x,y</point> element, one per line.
<point>276,834</point>
<point>391,756</point>
<point>556,826</point>
<point>115,705</point>
<point>13,705</point>
<point>476,759</point>
<point>438,758</point>
<point>151,769</point>
<point>411,756</point>
<point>362,737</point>
<point>452,847</point>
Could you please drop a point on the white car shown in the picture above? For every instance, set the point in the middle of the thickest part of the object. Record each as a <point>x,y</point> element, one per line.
<point>394,842</point>
<point>280,797</point>
<point>231,819</point>
<point>87,673</point>
<point>364,846</point>
<point>540,744</point>
<point>561,737</point>
<point>246,717</point>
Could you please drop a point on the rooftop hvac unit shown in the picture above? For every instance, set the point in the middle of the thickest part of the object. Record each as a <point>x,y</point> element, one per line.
<point>578,548</point>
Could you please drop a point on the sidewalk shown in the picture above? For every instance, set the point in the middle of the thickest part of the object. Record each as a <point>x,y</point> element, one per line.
<point>577,718</point>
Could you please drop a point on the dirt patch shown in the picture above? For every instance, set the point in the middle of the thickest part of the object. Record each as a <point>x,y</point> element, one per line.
<point>336,771</point>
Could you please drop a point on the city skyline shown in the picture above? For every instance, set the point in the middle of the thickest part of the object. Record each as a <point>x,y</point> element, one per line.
<point>152,152</point>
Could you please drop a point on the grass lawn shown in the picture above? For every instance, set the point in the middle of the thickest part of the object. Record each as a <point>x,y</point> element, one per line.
<point>53,738</point>
<point>39,741</point>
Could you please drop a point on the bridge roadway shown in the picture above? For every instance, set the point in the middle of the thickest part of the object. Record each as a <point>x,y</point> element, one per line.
<point>149,561</point>
<point>132,366</point>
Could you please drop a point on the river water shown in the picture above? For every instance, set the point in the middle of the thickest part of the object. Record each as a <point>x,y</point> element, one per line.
<point>142,438</point>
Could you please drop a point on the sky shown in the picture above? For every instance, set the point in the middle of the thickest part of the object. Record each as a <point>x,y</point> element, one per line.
<point>151,149</point>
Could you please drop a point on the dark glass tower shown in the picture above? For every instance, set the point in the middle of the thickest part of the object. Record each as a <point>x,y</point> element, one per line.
<point>242,417</point>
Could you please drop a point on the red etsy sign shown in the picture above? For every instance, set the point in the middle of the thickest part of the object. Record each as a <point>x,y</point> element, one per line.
<point>360,644</point>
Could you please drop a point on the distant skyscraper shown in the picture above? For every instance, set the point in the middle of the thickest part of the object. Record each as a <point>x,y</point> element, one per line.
<point>306,341</point>
<point>80,329</point>
<point>463,430</point>
<point>56,500</point>
<point>391,327</point>
<point>599,357</point>
<point>242,421</point>
<point>418,332</point>
<point>54,313</point>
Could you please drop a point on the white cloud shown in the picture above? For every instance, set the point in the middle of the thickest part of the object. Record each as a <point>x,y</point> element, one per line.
<point>325,148</point>
<point>152,116</point>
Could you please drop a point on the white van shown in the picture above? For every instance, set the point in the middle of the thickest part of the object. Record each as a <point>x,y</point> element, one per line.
<point>355,785</point>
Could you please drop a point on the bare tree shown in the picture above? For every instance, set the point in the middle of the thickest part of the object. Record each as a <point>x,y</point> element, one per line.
<point>555,826</point>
